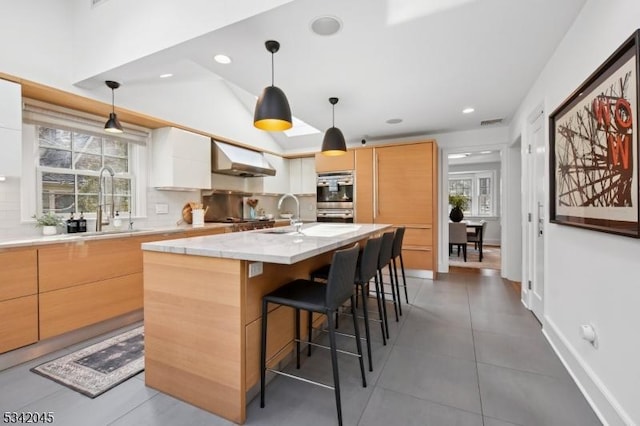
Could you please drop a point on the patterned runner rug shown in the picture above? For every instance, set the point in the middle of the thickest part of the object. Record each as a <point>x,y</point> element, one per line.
<point>99,367</point>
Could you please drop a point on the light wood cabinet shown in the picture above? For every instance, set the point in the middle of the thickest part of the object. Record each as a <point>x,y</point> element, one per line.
<point>364,185</point>
<point>397,184</point>
<point>325,163</point>
<point>18,298</point>
<point>19,325</point>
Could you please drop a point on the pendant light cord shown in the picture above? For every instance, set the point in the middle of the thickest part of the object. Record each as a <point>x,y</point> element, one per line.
<point>113,101</point>
<point>333,115</point>
<point>272,69</point>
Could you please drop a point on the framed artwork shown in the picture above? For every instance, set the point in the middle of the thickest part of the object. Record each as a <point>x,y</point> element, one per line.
<point>594,149</point>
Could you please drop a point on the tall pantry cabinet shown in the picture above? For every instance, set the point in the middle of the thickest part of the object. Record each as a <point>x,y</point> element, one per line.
<point>398,185</point>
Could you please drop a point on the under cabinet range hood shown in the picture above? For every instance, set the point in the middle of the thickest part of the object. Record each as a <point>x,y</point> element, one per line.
<point>232,160</point>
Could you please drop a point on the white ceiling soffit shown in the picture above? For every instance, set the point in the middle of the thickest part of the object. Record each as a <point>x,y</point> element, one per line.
<point>415,60</point>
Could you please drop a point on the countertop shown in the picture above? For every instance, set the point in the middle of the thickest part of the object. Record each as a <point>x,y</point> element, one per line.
<point>279,245</point>
<point>89,236</point>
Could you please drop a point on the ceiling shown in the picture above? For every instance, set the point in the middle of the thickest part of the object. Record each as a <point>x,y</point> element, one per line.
<point>422,61</point>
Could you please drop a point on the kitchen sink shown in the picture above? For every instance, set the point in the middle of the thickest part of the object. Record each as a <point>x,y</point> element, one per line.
<point>106,232</point>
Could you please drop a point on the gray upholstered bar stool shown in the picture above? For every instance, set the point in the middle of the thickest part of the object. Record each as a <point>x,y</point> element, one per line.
<point>322,298</point>
<point>396,253</point>
<point>365,272</point>
<point>384,260</point>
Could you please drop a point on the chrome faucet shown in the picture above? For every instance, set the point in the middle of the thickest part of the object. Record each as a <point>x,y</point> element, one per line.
<point>99,220</point>
<point>297,205</point>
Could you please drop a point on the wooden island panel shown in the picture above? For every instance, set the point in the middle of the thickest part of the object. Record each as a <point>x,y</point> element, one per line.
<point>19,325</point>
<point>195,330</point>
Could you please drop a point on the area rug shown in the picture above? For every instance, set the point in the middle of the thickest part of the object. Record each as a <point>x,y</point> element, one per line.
<point>99,367</point>
<point>491,258</point>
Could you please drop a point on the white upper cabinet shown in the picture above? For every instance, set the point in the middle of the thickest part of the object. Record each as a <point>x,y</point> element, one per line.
<point>278,184</point>
<point>181,159</point>
<point>10,105</point>
<point>302,175</point>
<point>10,129</point>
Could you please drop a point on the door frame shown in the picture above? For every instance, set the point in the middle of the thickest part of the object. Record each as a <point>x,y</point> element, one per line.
<point>443,199</point>
<point>531,263</point>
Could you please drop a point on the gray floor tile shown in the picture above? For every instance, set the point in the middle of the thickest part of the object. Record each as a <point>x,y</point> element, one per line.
<point>488,421</point>
<point>387,407</point>
<point>163,410</point>
<point>71,408</point>
<point>446,380</point>
<point>496,322</point>
<point>442,314</point>
<point>532,399</point>
<point>422,334</point>
<point>530,353</point>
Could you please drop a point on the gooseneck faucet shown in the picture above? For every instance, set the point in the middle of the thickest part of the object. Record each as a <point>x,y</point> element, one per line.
<point>101,196</point>
<point>296,200</point>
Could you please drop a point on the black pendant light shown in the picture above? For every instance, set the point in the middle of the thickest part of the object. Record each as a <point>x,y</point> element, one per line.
<point>333,143</point>
<point>272,111</point>
<point>113,125</point>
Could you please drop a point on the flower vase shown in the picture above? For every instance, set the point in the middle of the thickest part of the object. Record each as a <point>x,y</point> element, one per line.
<point>49,230</point>
<point>456,214</point>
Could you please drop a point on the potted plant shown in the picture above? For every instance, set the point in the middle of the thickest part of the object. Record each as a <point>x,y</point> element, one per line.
<point>459,203</point>
<point>49,223</point>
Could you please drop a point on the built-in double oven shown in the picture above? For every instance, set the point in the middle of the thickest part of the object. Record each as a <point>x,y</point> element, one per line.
<point>334,197</point>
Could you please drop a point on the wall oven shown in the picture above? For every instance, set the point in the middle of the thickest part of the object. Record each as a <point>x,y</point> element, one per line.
<point>334,197</point>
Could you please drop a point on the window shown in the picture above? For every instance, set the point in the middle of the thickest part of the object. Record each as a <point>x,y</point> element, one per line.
<point>479,187</point>
<point>69,164</point>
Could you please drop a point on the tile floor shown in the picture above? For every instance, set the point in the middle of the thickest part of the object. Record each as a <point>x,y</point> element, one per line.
<point>465,352</point>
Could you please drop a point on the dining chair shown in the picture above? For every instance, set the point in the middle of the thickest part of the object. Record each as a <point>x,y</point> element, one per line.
<point>458,237</point>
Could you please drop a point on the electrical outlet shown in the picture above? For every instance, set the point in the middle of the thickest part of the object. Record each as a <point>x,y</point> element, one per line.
<point>255,269</point>
<point>162,208</point>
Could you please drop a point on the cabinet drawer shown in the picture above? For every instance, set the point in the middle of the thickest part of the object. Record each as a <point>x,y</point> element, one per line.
<point>418,258</point>
<point>71,308</point>
<point>19,273</point>
<point>66,265</point>
<point>19,325</point>
<point>418,236</point>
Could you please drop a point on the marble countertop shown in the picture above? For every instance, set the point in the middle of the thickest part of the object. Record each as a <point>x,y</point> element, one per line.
<point>89,236</point>
<point>278,245</point>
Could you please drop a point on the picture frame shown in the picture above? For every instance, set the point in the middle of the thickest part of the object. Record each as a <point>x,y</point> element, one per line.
<point>594,157</point>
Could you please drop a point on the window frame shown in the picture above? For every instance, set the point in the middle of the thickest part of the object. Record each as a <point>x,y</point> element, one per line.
<point>475,190</point>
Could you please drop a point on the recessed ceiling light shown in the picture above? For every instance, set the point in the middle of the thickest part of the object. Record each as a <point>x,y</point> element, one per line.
<point>326,25</point>
<point>167,75</point>
<point>394,121</point>
<point>222,59</point>
<point>485,152</point>
<point>468,110</point>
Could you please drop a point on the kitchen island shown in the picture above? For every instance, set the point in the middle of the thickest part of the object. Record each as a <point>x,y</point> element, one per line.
<point>202,303</point>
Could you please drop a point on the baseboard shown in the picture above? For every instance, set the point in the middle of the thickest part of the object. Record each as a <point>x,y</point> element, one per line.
<point>419,273</point>
<point>604,404</point>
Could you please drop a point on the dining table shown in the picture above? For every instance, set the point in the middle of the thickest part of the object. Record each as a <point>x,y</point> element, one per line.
<point>477,228</point>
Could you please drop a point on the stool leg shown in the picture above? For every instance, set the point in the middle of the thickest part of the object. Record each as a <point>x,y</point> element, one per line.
<point>309,330</point>
<point>393,292</point>
<point>392,268</point>
<point>358,342</point>
<point>404,279</point>
<point>384,305</point>
<point>297,338</point>
<point>263,352</point>
<point>367,332</point>
<point>334,364</point>
<point>380,313</point>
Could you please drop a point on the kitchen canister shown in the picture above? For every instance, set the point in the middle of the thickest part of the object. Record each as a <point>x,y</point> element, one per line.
<point>197,217</point>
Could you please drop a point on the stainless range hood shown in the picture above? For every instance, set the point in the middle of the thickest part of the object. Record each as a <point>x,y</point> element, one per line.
<point>232,160</point>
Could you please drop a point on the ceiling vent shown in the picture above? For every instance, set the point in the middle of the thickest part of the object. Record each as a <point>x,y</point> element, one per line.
<point>491,122</point>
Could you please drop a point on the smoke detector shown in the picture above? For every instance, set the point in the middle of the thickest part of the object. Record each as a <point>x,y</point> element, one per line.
<point>491,122</point>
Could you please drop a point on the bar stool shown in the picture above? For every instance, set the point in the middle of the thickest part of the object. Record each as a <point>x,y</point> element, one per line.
<point>322,298</point>
<point>384,260</point>
<point>365,271</point>
<point>396,253</point>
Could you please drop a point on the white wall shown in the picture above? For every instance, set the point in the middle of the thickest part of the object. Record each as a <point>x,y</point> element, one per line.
<point>591,277</point>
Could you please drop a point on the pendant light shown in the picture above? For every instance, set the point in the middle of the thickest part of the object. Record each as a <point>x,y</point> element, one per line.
<point>272,111</point>
<point>333,143</point>
<point>113,125</point>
